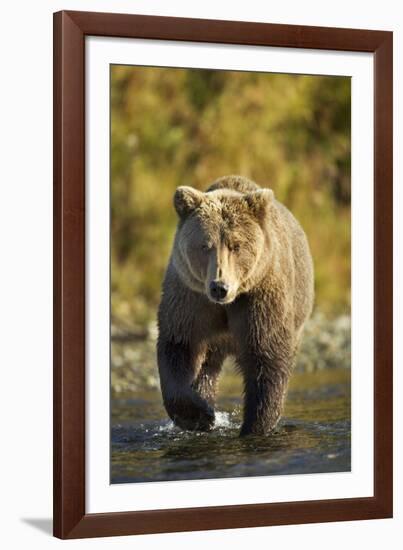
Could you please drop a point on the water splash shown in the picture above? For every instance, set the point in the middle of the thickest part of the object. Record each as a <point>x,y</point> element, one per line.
<point>168,426</point>
<point>223,420</point>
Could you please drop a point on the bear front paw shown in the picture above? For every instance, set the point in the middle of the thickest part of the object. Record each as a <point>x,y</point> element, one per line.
<point>188,415</point>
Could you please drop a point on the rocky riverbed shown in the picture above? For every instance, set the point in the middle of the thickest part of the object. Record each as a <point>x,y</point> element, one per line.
<point>326,344</point>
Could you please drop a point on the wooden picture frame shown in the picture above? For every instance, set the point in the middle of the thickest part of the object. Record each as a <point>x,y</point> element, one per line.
<point>70,517</point>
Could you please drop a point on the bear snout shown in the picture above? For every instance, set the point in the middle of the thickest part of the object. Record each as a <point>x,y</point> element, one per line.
<point>218,290</point>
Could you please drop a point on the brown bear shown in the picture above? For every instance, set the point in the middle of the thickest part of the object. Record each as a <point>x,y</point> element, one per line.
<point>239,281</point>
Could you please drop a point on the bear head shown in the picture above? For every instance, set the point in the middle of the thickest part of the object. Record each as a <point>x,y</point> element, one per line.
<point>221,241</point>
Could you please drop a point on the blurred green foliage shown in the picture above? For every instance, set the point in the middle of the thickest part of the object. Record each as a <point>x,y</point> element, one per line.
<point>173,127</point>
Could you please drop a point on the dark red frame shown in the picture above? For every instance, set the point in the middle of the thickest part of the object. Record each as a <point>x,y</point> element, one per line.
<point>70,517</point>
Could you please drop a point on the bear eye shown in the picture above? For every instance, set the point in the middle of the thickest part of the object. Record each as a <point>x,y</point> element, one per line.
<point>236,247</point>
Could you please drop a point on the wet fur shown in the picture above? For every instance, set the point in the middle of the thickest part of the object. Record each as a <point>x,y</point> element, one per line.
<point>261,327</point>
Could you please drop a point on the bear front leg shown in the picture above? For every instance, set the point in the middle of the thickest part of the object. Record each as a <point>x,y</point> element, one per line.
<point>265,385</point>
<point>264,334</point>
<point>177,365</point>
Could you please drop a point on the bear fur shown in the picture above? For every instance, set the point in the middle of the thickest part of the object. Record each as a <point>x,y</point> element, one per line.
<point>239,282</point>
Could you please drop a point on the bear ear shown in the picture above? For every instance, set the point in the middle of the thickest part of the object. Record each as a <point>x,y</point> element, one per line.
<point>186,200</point>
<point>258,201</point>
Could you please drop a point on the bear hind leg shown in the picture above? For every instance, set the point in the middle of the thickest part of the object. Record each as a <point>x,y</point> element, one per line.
<point>207,379</point>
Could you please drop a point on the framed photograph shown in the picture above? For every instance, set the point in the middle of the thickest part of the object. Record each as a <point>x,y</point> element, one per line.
<point>222,274</point>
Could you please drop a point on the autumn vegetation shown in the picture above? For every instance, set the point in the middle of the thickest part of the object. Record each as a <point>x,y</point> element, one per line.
<point>173,127</point>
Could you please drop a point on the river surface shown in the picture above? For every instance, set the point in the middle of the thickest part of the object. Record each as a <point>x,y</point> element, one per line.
<point>313,435</point>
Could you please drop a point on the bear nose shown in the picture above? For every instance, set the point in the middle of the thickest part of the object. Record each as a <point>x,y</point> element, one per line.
<point>218,290</point>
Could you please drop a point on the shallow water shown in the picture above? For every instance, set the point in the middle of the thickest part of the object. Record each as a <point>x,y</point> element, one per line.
<point>312,437</point>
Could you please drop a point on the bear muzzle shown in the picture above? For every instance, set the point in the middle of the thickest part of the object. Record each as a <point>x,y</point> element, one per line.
<point>218,290</point>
